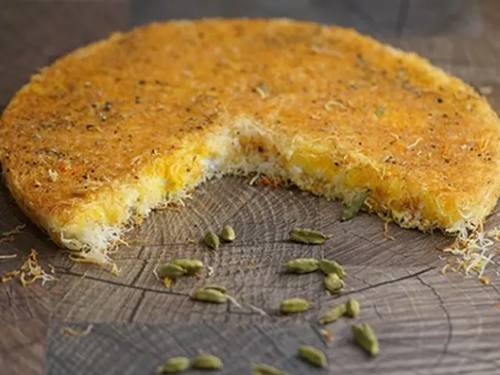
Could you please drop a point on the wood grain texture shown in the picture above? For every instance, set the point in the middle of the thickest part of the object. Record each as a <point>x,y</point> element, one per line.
<point>25,318</point>
<point>427,323</point>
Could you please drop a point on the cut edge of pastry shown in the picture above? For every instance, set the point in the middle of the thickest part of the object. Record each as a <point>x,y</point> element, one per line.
<point>93,228</point>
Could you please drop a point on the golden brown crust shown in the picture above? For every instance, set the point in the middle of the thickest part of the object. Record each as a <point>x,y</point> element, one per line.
<point>100,114</point>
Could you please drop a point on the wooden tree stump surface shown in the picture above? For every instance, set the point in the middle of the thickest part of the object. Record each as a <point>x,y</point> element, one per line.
<point>427,323</point>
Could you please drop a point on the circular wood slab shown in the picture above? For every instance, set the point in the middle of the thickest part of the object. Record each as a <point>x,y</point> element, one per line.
<point>422,318</point>
<point>427,323</point>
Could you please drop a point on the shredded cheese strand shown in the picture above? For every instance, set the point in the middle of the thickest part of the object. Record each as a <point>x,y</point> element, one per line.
<point>473,251</point>
<point>77,332</point>
<point>29,272</point>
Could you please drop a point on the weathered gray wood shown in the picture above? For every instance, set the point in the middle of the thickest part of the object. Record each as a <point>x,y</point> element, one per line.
<point>24,314</point>
<point>427,323</point>
<point>440,324</point>
<point>424,322</point>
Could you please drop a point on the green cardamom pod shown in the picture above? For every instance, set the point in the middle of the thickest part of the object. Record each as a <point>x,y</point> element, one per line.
<point>294,305</point>
<point>219,288</point>
<point>333,283</point>
<point>330,266</point>
<point>302,265</point>
<point>379,112</point>
<point>333,314</point>
<point>308,236</point>
<point>263,369</point>
<point>192,266</point>
<point>173,366</point>
<point>172,271</point>
<point>209,295</point>
<point>312,355</point>
<point>211,240</point>
<point>365,337</point>
<point>228,234</point>
<point>351,208</point>
<point>204,361</point>
<point>352,307</point>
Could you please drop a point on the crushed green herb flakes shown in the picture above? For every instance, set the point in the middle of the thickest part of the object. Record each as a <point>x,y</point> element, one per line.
<point>379,112</point>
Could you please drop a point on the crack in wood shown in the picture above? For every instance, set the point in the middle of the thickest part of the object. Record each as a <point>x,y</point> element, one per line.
<point>378,313</point>
<point>448,320</point>
<point>136,307</point>
<point>139,274</point>
<point>388,282</point>
<point>116,283</point>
